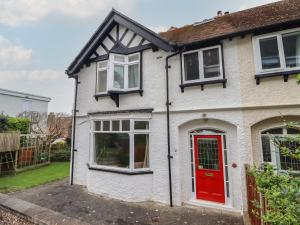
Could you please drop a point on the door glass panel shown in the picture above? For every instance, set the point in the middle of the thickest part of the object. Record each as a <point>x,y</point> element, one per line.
<point>208,153</point>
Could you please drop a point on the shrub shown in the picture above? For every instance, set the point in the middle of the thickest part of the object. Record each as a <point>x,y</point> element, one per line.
<point>3,123</point>
<point>61,156</point>
<point>282,192</point>
<point>19,124</point>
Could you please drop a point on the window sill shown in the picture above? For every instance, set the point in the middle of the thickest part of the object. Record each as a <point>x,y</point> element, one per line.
<point>284,74</point>
<point>202,83</point>
<point>120,171</point>
<point>114,95</point>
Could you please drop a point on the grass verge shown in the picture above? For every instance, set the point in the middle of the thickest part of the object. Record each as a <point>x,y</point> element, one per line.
<point>31,178</point>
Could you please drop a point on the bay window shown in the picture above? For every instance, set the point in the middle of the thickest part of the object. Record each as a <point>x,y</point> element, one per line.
<point>119,73</point>
<point>203,64</point>
<point>121,144</point>
<point>277,52</point>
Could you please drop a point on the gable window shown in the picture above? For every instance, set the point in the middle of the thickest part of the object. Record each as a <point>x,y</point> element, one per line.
<point>277,52</point>
<point>203,64</point>
<point>120,72</point>
<point>271,154</point>
<point>121,144</point>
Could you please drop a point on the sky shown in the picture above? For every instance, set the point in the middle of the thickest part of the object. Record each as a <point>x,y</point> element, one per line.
<point>39,38</point>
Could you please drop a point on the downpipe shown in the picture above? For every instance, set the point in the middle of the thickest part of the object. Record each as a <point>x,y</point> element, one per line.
<point>73,131</point>
<point>168,103</point>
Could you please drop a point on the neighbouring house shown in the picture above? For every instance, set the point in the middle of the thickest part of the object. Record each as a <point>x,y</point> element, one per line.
<point>174,117</point>
<point>15,103</point>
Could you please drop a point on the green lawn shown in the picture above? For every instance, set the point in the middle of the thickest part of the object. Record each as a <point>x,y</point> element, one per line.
<point>35,177</point>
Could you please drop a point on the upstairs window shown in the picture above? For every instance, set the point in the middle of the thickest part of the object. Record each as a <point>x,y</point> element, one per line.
<point>203,64</point>
<point>120,73</point>
<point>277,52</point>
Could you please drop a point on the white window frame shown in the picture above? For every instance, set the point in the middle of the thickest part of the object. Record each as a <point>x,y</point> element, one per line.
<point>110,72</point>
<point>201,67</point>
<point>275,154</point>
<point>131,133</point>
<point>97,76</point>
<point>257,55</point>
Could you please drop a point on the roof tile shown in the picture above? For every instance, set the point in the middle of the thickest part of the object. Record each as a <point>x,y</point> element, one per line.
<point>278,12</point>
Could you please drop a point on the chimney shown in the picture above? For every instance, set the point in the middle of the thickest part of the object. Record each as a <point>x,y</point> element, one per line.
<point>219,13</point>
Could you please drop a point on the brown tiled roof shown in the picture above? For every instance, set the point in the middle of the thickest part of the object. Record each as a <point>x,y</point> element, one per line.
<point>261,16</point>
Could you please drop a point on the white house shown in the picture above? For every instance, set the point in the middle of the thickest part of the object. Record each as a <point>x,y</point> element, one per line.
<point>14,103</point>
<point>174,117</point>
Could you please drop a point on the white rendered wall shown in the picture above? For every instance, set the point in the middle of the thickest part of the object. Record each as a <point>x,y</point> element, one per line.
<point>215,103</point>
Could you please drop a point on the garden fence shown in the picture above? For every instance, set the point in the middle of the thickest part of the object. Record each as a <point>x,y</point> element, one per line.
<point>257,204</point>
<point>23,151</point>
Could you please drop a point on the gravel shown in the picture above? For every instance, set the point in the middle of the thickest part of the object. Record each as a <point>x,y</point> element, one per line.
<point>8,218</point>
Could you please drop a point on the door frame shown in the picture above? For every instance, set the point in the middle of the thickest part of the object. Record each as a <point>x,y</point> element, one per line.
<point>228,200</point>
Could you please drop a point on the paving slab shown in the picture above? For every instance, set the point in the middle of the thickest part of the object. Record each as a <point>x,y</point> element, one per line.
<point>75,202</point>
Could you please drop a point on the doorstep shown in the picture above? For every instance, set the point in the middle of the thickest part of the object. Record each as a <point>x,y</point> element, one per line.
<point>36,214</point>
<point>214,207</point>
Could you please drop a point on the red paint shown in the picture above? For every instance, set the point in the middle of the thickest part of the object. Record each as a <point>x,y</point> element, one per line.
<point>209,182</point>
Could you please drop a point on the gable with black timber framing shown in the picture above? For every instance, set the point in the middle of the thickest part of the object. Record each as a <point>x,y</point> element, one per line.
<point>117,34</point>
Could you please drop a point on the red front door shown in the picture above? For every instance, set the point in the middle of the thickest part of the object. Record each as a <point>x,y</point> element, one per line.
<point>209,168</point>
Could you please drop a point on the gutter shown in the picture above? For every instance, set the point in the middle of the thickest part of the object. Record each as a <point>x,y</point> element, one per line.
<point>168,103</point>
<point>74,129</point>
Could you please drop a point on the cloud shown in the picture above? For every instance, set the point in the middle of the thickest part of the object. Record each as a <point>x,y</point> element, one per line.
<point>30,75</point>
<point>16,12</point>
<point>12,54</point>
<point>159,29</point>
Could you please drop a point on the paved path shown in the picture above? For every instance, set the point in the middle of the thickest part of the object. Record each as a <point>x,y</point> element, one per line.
<point>75,202</point>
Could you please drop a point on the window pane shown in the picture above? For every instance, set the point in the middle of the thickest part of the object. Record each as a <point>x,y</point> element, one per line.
<point>106,125</point>
<point>133,58</point>
<point>119,58</point>
<point>286,162</point>
<point>273,131</point>
<point>191,66</point>
<point>102,81</point>
<point>102,65</point>
<point>125,125</point>
<point>141,151</point>
<point>112,149</point>
<point>97,125</point>
<point>291,45</point>
<point>265,140</point>
<point>141,125</point>
<point>269,53</point>
<point>116,125</point>
<point>133,76</point>
<point>211,63</point>
<point>118,76</point>
<point>293,130</point>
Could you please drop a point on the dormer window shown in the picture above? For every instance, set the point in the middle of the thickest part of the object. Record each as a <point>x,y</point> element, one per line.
<point>119,73</point>
<point>203,65</point>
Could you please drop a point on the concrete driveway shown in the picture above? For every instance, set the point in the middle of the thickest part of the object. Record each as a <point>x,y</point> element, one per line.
<point>75,202</point>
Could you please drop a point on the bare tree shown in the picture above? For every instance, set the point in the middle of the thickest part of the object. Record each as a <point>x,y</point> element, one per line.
<point>54,125</point>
